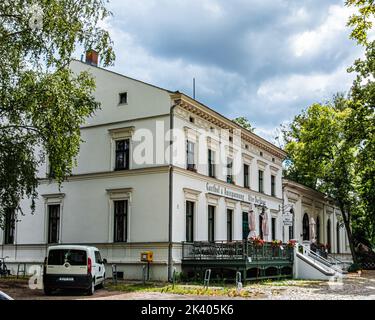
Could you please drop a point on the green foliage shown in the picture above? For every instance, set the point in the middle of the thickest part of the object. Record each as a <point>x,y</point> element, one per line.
<point>354,267</point>
<point>244,123</point>
<point>361,22</point>
<point>42,103</point>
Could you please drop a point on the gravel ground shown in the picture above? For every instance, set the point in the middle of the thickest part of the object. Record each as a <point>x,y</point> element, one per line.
<point>354,287</point>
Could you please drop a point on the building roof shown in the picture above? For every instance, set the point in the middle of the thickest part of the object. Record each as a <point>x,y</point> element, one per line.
<point>174,94</point>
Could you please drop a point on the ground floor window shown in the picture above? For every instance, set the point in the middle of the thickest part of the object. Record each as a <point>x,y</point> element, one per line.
<point>329,235</point>
<point>245,225</point>
<point>305,227</point>
<point>291,232</point>
<point>9,227</point>
<point>189,221</point>
<point>211,223</point>
<point>338,237</point>
<point>229,225</point>
<point>273,228</point>
<point>53,223</point>
<point>260,226</point>
<point>120,221</point>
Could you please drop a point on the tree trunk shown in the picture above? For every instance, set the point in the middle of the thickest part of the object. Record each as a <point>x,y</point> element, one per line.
<point>346,218</point>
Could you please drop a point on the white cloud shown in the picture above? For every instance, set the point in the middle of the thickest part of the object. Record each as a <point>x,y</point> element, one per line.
<point>312,42</point>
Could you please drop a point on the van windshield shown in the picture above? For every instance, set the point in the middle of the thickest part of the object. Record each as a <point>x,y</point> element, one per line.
<point>59,257</point>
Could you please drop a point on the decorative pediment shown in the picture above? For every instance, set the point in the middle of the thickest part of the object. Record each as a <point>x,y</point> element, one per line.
<point>121,133</point>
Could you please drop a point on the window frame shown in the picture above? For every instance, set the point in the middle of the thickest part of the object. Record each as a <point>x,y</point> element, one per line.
<point>189,221</point>
<point>229,173</point>
<point>56,220</point>
<point>261,181</point>
<point>190,155</point>
<point>273,185</point>
<point>125,152</point>
<point>246,175</point>
<point>125,216</point>
<point>211,223</point>
<point>10,226</point>
<point>211,163</point>
<point>229,224</point>
<point>121,94</point>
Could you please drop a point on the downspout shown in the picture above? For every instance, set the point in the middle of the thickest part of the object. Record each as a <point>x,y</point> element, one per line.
<point>170,220</point>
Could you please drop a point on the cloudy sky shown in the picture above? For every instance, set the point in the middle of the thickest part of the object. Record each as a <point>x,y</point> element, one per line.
<point>263,59</point>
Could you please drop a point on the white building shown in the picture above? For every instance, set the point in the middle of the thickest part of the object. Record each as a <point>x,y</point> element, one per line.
<point>128,195</point>
<point>314,208</point>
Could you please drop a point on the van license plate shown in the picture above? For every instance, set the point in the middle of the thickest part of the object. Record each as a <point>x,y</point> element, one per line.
<point>66,279</point>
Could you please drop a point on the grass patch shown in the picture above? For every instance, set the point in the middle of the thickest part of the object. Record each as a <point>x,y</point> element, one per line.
<point>182,289</point>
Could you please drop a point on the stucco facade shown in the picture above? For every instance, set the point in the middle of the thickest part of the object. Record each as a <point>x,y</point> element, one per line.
<point>158,184</point>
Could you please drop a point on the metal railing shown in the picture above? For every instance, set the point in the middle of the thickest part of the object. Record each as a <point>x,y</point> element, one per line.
<point>235,250</point>
<point>337,266</point>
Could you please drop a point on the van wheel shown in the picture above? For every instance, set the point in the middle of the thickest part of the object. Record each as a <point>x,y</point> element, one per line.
<point>91,290</point>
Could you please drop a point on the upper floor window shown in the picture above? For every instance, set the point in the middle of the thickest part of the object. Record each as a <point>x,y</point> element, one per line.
<point>273,185</point>
<point>123,98</point>
<point>53,223</point>
<point>230,170</point>
<point>211,163</point>
<point>190,155</point>
<point>246,180</point>
<point>260,181</point>
<point>122,155</point>
<point>9,227</point>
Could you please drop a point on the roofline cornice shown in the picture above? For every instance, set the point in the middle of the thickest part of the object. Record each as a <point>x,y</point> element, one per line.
<point>221,121</point>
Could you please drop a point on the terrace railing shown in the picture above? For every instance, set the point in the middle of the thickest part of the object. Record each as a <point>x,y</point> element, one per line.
<point>236,250</point>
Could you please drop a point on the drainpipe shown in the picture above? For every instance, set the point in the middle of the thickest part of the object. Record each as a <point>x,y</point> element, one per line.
<point>170,220</point>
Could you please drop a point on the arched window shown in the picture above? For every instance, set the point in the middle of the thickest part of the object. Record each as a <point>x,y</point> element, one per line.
<point>305,227</point>
<point>329,234</point>
<point>338,237</point>
<point>317,229</point>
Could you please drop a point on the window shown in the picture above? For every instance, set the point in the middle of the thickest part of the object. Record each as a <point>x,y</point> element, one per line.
<point>122,155</point>
<point>245,225</point>
<point>273,228</point>
<point>190,156</point>
<point>98,258</point>
<point>273,185</point>
<point>305,227</point>
<point>260,226</point>
<point>229,225</point>
<point>211,223</point>
<point>338,236</point>
<point>291,232</point>
<point>9,228</point>
<point>189,221</point>
<point>273,159</point>
<point>58,257</point>
<point>230,170</point>
<point>123,98</point>
<point>211,163</point>
<point>120,221</point>
<point>261,153</point>
<point>260,181</point>
<point>246,183</point>
<point>191,119</point>
<point>329,235</point>
<point>53,223</point>
<point>318,229</point>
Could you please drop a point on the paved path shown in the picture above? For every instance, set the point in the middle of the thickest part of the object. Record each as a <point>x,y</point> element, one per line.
<point>354,287</point>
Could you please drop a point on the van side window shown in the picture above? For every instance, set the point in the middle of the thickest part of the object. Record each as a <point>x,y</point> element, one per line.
<point>98,258</point>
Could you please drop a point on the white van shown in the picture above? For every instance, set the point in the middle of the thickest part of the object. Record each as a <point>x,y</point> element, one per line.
<point>70,266</point>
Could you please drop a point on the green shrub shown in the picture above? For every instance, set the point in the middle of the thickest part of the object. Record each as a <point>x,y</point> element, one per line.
<point>354,267</point>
